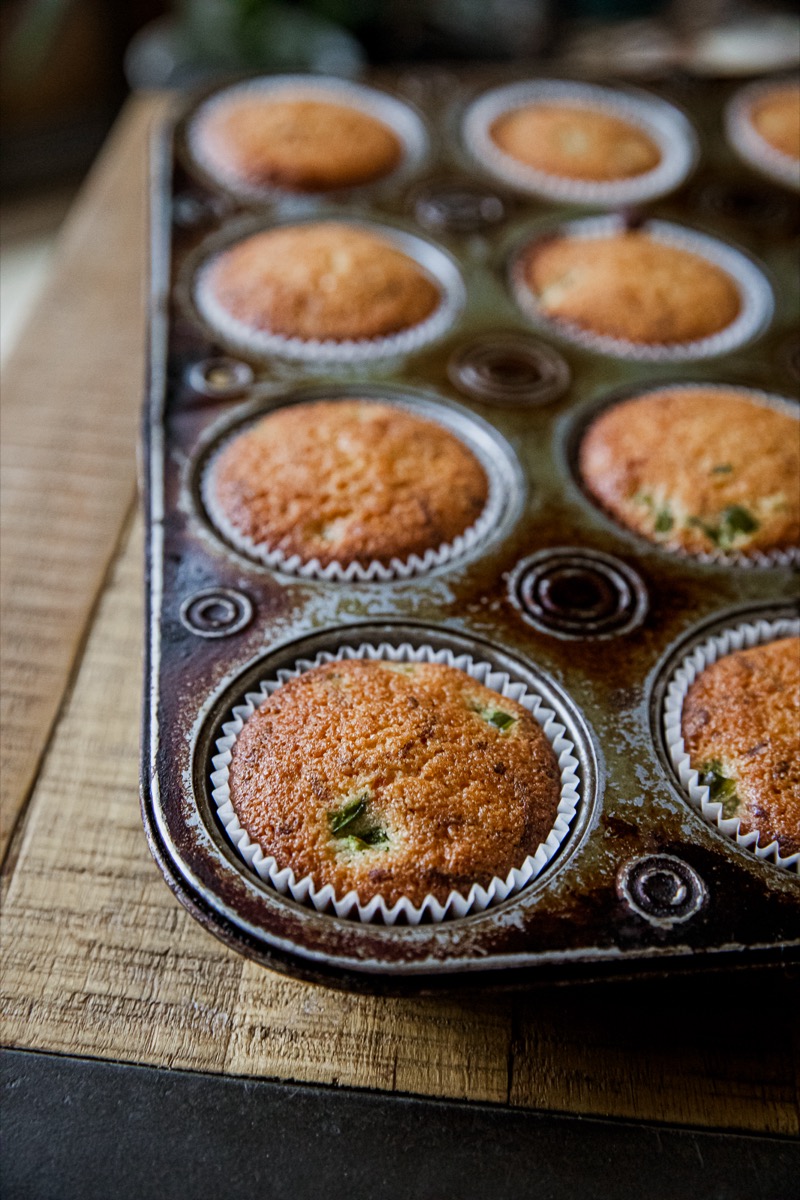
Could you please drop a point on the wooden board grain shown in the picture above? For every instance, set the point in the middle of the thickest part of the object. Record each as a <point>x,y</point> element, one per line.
<point>100,960</point>
<point>71,400</point>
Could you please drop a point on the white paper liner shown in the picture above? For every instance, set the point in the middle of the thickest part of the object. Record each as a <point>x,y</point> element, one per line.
<point>324,899</point>
<point>787,557</point>
<point>748,142</point>
<point>373,571</point>
<point>667,127</point>
<point>438,265</point>
<point>743,636</point>
<point>757,302</point>
<point>397,115</point>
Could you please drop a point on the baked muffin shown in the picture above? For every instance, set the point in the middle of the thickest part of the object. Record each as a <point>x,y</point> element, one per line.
<point>347,481</point>
<point>574,142</point>
<point>776,117</point>
<point>294,143</point>
<point>628,285</point>
<point>394,779</point>
<point>324,280</point>
<point>741,728</point>
<point>698,469</point>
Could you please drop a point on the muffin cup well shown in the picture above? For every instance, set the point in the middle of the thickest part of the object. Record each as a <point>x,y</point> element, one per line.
<point>496,458</point>
<point>786,557</point>
<point>398,116</point>
<point>260,343</point>
<point>755,293</point>
<point>738,637</point>
<point>666,125</point>
<point>324,899</point>
<point>748,142</point>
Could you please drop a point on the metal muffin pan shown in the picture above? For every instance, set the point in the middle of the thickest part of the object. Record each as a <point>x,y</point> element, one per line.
<point>557,592</point>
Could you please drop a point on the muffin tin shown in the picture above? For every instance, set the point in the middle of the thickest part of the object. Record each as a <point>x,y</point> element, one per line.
<point>556,596</point>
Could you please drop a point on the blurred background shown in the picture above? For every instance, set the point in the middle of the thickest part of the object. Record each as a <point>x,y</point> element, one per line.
<point>66,67</point>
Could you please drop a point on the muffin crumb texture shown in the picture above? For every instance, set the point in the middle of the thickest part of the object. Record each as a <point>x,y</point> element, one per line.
<point>630,286</point>
<point>741,727</point>
<point>699,470</point>
<point>297,144</point>
<point>776,117</point>
<point>348,481</point>
<point>574,142</point>
<point>394,779</point>
<point>324,280</point>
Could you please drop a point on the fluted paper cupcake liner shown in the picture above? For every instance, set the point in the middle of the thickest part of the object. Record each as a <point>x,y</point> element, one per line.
<point>498,474</point>
<point>739,637</point>
<point>788,556</point>
<point>755,293</point>
<point>400,117</point>
<point>668,128</point>
<point>748,142</point>
<point>324,899</point>
<point>246,339</point>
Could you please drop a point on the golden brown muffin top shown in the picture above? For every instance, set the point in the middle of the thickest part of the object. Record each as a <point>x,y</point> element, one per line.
<point>776,117</point>
<point>627,285</point>
<point>348,481</point>
<point>575,143</point>
<point>741,726</point>
<point>394,780</point>
<point>323,280</point>
<point>698,469</point>
<point>299,145</point>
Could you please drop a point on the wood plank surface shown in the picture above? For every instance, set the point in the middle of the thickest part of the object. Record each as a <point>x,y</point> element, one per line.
<point>99,958</point>
<point>71,400</point>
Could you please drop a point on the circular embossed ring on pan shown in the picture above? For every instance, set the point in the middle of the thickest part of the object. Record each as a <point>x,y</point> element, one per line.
<point>458,208</point>
<point>216,612</point>
<point>220,378</point>
<point>661,888</point>
<point>578,593</point>
<point>509,368</point>
<point>750,204</point>
<point>190,210</point>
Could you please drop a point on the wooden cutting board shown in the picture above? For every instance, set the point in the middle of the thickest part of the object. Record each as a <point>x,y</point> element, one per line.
<point>99,958</point>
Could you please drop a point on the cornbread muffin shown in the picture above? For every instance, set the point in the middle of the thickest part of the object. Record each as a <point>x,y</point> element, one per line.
<point>321,281</point>
<point>628,285</point>
<point>741,728</point>
<point>394,780</point>
<point>776,117</point>
<point>698,469</point>
<point>300,145</point>
<point>575,142</point>
<point>348,481</point>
